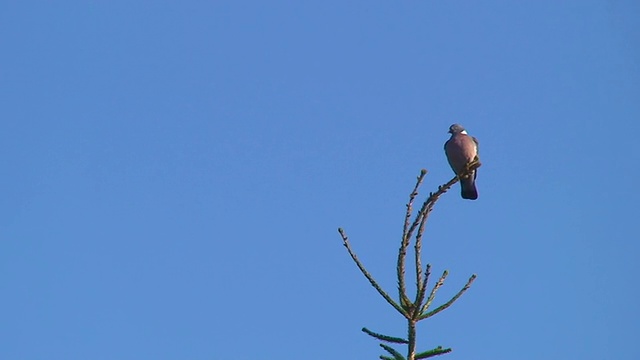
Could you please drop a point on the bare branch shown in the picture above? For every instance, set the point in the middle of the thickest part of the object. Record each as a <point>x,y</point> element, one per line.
<point>406,239</point>
<point>450,302</point>
<point>434,291</point>
<point>418,257</point>
<point>428,204</point>
<point>412,197</point>
<point>345,241</point>
<point>423,289</point>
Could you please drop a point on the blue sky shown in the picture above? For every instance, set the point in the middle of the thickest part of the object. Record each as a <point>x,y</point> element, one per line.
<point>174,174</point>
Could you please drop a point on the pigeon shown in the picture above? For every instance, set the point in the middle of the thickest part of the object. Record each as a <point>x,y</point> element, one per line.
<point>462,149</point>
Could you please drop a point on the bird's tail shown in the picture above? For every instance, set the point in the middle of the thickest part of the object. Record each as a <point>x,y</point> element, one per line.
<point>468,186</point>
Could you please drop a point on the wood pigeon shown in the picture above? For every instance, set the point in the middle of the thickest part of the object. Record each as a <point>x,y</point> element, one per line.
<point>461,149</point>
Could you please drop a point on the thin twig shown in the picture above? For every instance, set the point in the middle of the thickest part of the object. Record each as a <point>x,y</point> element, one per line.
<point>412,197</point>
<point>434,291</point>
<point>392,351</point>
<point>423,289</point>
<point>386,338</point>
<point>428,204</point>
<point>418,256</point>
<point>450,302</point>
<point>434,352</point>
<point>345,241</point>
<point>406,239</point>
<point>402,288</point>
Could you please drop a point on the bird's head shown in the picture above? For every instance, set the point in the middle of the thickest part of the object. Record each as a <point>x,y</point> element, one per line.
<point>457,129</point>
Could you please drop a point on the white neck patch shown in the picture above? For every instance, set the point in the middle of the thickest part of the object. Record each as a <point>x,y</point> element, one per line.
<point>463,132</point>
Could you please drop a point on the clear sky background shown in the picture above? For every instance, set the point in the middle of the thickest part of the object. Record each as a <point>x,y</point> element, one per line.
<point>174,173</point>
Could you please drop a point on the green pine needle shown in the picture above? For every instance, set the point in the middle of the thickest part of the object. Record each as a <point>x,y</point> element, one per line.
<point>386,338</point>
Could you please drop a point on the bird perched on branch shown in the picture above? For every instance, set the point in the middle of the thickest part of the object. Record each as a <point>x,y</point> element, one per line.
<point>461,150</point>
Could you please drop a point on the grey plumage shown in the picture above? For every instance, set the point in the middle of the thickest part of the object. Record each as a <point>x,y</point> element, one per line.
<point>461,149</point>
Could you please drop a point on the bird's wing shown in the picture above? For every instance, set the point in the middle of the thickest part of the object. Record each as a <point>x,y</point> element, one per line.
<point>477,147</point>
<point>475,141</point>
